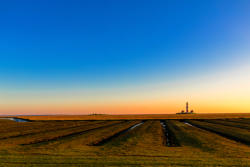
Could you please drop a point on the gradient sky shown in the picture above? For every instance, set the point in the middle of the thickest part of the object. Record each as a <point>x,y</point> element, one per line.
<point>124,57</point>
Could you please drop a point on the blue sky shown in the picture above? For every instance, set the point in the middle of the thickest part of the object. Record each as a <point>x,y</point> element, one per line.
<point>78,44</point>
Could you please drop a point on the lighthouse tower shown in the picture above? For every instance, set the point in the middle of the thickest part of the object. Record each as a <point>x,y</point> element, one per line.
<point>186,107</point>
<point>187,110</point>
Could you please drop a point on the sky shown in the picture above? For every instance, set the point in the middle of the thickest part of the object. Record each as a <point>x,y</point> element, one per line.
<point>124,57</point>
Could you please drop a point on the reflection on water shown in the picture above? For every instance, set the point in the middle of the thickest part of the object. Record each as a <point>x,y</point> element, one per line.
<point>16,119</point>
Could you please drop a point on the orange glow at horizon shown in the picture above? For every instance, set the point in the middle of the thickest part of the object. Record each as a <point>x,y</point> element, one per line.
<point>227,92</point>
<point>129,108</point>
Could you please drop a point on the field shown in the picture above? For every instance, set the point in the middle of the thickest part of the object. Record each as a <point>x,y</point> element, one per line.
<point>142,140</point>
<point>146,116</point>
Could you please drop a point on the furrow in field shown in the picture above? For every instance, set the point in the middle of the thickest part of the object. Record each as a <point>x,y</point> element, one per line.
<point>90,138</point>
<point>46,129</point>
<point>243,121</point>
<point>185,133</point>
<point>69,133</point>
<point>146,138</point>
<point>228,123</point>
<point>22,126</point>
<point>237,134</point>
<point>207,141</point>
<point>116,133</point>
<point>169,138</point>
<point>171,128</point>
<point>16,129</point>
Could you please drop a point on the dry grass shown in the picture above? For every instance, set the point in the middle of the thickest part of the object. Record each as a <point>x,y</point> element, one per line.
<point>38,138</point>
<point>89,138</point>
<point>234,133</point>
<point>209,142</point>
<point>142,146</point>
<point>230,123</point>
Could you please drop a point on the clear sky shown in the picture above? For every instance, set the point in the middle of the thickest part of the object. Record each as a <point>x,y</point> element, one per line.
<point>124,56</point>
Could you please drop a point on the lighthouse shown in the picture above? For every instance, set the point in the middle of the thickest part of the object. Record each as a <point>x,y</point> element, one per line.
<point>187,110</point>
<point>186,107</point>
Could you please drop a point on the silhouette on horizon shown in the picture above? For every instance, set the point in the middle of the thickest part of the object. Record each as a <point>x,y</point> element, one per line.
<point>187,110</point>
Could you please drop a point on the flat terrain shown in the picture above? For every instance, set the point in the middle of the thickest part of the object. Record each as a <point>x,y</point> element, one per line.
<point>182,140</point>
<point>146,116</point>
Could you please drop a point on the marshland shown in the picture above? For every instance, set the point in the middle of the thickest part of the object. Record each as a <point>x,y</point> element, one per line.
<point>209,141</point>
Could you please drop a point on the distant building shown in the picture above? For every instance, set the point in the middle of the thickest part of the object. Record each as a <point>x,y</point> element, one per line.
<point>186,107</point>
<point>187,110</point>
